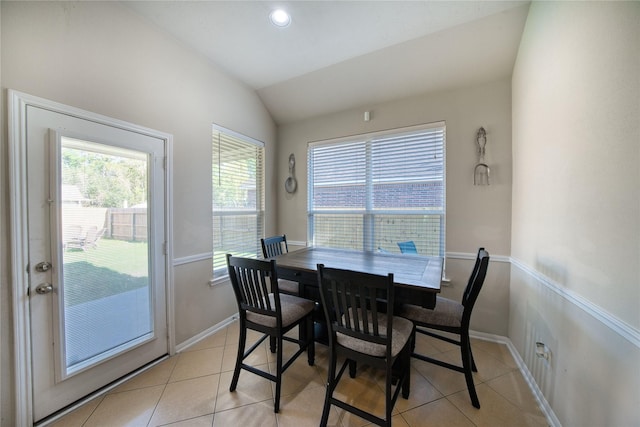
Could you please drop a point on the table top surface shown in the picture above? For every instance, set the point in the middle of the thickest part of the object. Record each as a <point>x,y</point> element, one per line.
<point>408,270</point>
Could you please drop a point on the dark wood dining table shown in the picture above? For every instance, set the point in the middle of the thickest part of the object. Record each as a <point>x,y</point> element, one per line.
<point>416,277</point>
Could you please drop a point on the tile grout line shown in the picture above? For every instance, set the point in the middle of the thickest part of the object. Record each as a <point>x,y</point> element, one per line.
<point>94,409</point>
<point>164,389</point>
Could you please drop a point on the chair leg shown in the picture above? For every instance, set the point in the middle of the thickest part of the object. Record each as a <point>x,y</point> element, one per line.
<point>276,406</point>
<point>272,344</point>
<point>352,368</point>
<point>331,374</point>
<point>474,368</point>
<point>388,398</point>
<point>465,349</point>
<point>241,344</point>
<point>406,372</point>
<point>311,347</point>
<point>406,364</point>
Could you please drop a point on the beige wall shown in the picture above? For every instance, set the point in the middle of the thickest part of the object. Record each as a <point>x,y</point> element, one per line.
<point>576,207</point>
<point>99,57</point>
<point>575,226</point>
<point>476,216</point>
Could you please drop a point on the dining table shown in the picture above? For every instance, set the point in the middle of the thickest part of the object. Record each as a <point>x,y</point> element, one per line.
<point>416,277</point>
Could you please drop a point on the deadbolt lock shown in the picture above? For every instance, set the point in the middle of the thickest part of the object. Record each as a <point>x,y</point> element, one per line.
<point>43,266</point>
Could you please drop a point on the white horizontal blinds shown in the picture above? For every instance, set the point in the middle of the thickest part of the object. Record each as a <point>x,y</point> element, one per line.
<point>409,158</point>
<point>238,196</point>
<point>408,182</point>
<point>339,176</point>
<point>381,190</point>
<point>337,194</point>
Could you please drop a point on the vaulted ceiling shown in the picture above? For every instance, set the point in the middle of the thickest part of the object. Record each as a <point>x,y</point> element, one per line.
<point>337,55</point>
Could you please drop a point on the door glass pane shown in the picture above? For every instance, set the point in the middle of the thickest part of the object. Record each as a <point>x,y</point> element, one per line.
<point>105,295</point>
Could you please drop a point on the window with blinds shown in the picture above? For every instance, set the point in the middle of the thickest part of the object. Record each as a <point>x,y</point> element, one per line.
<point>238,196</point>
<point>372,192</point>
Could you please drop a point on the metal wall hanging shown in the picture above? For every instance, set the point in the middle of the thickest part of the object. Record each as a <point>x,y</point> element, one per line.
<point>482,170</point>
<point>291,184</point>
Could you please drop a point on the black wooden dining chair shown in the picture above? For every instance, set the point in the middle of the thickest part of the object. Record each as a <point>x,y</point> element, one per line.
<point>271,313</point>
<point>453,317</point>
<point>274,246</point>
<point>360,330</point>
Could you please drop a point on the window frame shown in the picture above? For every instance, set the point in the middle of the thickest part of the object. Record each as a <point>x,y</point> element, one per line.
<point>369,212</point>
<point>221,272</point>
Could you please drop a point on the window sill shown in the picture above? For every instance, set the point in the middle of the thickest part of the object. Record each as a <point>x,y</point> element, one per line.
<point>216,281</point>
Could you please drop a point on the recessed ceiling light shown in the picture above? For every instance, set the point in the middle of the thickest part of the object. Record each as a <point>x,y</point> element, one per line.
<point>280,18</point>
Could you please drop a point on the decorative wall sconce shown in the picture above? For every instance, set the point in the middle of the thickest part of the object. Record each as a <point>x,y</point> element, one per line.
<point>481,171</point>
<point>291,184</point>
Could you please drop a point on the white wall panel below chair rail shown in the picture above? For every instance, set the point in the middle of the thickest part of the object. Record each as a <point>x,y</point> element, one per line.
<point>581,359</point>
<point>615,324</point>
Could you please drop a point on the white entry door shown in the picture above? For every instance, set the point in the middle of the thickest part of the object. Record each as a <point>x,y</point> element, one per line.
<point>96,253</point>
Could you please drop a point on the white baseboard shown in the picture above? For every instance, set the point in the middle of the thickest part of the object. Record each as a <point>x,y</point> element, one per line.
<point>537,393</point>
<point>202,335</point>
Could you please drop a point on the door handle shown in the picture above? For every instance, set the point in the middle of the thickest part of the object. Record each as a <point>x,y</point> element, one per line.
<point>44,288</point>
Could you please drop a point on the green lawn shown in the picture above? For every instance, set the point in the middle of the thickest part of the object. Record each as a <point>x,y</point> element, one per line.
<point>113,267</point>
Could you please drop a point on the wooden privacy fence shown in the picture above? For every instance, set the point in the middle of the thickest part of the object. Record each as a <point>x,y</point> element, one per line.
<point>127,224</point>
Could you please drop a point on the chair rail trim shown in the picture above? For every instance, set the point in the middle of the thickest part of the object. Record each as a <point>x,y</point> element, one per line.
<point>614,323</point>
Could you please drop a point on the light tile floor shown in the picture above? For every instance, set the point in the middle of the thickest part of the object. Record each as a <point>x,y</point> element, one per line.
<point>192,389</point>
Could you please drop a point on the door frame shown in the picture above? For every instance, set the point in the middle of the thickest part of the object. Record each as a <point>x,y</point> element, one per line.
<point>18,103</point>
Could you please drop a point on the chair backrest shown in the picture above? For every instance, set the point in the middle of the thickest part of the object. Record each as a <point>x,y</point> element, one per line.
<point>250,279</point>
<point>275,245</point>
<point>468,288</point>
<point>352,302</point>
<point>72,232</point>
<point>408,247</point>
<point>93,234</point>
<point>476,281</point>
